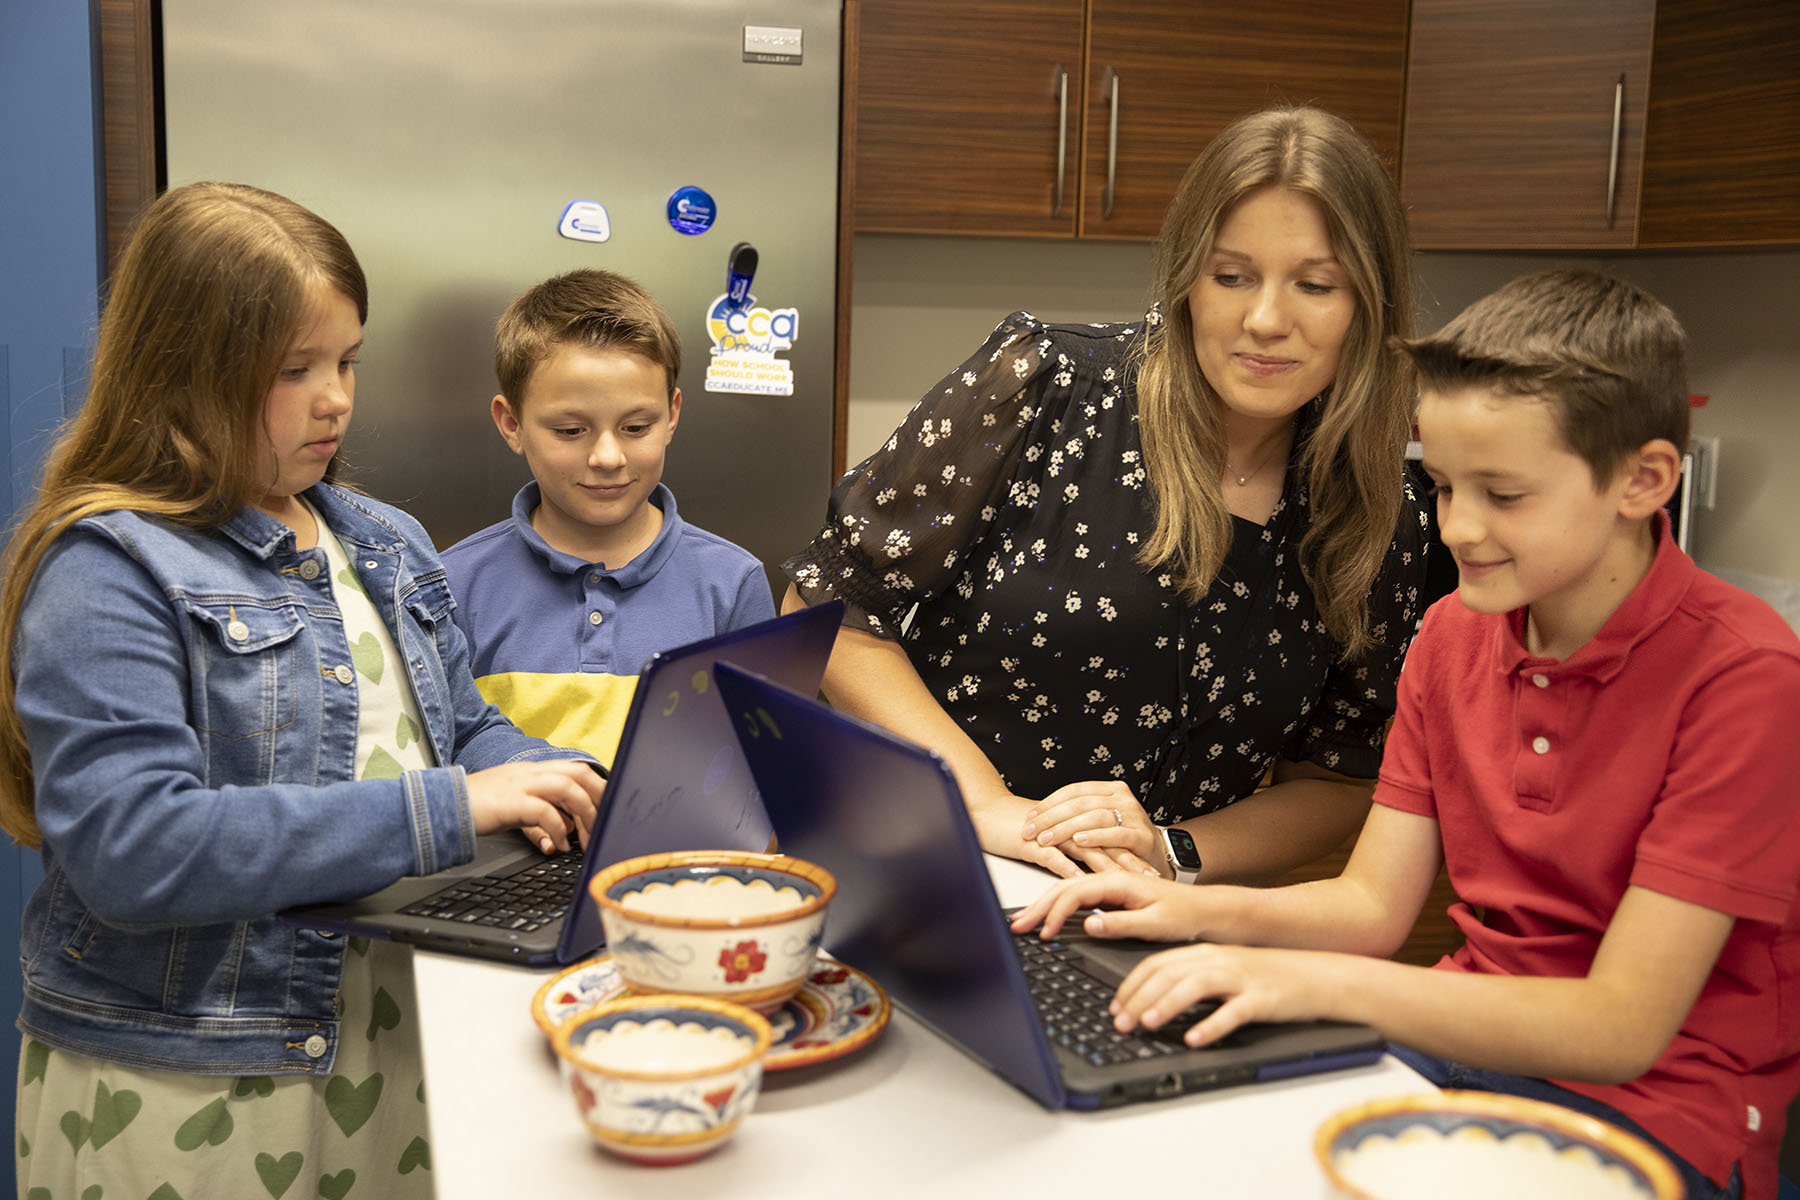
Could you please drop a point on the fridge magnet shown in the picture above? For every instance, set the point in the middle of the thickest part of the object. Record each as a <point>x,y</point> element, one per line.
<point>585,221</point>
<point>691,210</point>
<point>746,339</point>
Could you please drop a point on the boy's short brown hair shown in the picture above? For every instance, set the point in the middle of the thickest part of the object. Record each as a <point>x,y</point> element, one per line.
<point>590,308</point>
<point>1609,358</point>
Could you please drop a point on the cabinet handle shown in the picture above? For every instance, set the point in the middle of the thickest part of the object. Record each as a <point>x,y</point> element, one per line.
<point>1612,165</point>
<point>1062,136</point>
<point>1112,140</point>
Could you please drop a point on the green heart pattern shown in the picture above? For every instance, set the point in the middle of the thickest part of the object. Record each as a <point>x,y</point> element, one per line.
<point>384,1015</point>
<point>382,765</point>
<point>336,1187</point>
<point>366,653</point>
<point>278,1174</point>
<point>211,1126</point>
<point>352,1104</point>
<point>348,577</point>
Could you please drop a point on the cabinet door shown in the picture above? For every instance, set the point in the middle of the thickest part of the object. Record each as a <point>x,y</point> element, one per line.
<point>960,114</point>
<point>1172,73</point>
<point>1722,140</point>
<point>1511,136</point>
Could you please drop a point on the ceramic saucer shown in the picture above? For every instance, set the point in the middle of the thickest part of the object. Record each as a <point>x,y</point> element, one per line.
<point>838,1009</point>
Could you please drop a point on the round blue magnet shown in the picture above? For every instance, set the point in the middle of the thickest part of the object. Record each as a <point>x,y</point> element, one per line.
<point>691,210</point>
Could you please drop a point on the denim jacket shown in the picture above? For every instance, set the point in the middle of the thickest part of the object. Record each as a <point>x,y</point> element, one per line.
<point>193,731</point>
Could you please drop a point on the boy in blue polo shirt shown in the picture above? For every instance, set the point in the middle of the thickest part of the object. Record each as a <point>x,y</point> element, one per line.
<point>595,570</point>
<point>1593,735</point>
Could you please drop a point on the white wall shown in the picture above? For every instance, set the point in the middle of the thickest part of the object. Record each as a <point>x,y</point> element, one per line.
<point>921,305</point>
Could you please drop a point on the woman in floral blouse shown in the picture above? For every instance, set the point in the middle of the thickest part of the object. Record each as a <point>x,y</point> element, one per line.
<point>1117,574</point>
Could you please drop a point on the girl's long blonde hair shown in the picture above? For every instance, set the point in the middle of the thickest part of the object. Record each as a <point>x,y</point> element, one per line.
<point>1352,460</point>
<point>214,286</point>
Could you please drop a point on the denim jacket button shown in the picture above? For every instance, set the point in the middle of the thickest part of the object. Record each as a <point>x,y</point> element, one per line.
<point>309,569</point>
<point>344,674</point>
<point>237,631</point>
<point>315,1046</point>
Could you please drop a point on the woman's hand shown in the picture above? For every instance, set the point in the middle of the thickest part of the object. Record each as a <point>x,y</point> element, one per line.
<point>551,800</point>
<point>1103,815</point>
<point>998,819</point>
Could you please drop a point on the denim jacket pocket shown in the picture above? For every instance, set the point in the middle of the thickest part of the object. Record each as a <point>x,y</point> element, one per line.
<point>243,657</point>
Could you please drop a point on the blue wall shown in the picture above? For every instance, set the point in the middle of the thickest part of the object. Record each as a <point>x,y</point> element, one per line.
<point>51,258</point>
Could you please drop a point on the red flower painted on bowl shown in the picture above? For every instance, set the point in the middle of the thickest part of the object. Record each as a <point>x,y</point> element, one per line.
<point>830,976</point>
<point>742,961</point>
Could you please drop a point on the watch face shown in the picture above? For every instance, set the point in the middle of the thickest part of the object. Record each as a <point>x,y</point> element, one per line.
<point>1183,849</point>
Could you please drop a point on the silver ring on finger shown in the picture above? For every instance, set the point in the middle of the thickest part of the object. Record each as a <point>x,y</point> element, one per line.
<point>1118,818</point>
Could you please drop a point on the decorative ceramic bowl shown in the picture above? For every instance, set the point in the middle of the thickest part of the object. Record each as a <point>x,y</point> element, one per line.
<point>663,1079</point>
<point>1484,1146</point>
<point>727,924</point>
<point>837,1011</point>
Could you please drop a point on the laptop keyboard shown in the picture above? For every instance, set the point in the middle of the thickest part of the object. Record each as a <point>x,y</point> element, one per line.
<point>525,900</point>
<point>1073,1007</point>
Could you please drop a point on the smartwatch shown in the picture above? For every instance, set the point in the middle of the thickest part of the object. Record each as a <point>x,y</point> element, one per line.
<point>1181,852</point>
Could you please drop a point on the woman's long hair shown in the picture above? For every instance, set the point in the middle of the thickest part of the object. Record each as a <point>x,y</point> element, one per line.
<point>1352,460</point>
<point>215,284</point>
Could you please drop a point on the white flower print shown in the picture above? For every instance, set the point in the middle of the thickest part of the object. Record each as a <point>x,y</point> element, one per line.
<point>1106,609</point>
<point>1070,492</point>
<point>898,542</point>
<point>1040,617</point>
<point>1072,602</point>
<point>948,474</point>
<point>1081,552</point>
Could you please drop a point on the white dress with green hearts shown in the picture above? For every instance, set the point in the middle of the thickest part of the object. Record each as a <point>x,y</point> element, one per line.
<point>92,1130</point>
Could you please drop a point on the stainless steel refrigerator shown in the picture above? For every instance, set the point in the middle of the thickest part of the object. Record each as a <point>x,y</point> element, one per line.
<point>469,148</point>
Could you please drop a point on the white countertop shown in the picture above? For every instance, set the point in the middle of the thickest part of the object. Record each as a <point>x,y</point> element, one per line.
<point>909,1112</point>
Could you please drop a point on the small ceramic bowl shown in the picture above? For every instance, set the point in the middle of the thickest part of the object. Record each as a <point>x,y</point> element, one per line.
<point>726,924</point>
<point>663,1079</point>
<point>1483,1146</point>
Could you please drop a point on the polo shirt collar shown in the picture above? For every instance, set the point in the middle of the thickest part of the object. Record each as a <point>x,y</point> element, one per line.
<point>1650,603</point>
<point>638,570</point>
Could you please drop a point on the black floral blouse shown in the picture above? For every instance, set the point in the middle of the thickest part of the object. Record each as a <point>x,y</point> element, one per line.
<point>1009,507</point>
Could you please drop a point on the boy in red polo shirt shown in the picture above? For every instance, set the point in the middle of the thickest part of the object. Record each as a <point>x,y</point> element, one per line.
<point>1596,737</point>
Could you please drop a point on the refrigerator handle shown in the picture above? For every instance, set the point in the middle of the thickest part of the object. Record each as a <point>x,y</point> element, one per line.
<point>1062,136</point>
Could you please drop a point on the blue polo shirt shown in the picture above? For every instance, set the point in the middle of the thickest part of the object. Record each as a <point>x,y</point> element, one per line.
<point>557,643</point>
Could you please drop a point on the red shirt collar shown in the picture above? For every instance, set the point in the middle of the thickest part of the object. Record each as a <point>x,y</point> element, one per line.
<point>1647,607</point>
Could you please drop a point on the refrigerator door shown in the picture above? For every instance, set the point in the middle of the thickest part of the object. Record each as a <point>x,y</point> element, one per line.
<point>471,148</point>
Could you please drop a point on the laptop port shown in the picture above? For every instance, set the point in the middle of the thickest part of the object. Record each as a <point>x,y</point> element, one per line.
<point>1167,1085</point>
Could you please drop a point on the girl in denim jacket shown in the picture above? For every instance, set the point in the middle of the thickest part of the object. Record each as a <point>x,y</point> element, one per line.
<point>228,686</point>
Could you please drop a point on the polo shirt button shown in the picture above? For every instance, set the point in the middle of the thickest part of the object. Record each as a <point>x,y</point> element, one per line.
<point>309,569</point>
<point>314,1046</point>
<point>594,618</point>
<point>1541,680</point>
<point>344,674</point>
<point>1541,745</point>
<point>593,577</point>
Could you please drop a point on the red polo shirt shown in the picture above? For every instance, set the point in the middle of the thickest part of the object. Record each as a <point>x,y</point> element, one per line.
<point>1665,753</point>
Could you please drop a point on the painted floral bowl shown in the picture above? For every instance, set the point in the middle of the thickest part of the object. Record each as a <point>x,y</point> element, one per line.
<point>663,1079</point>
<point>726,924</point>
<point>1483,1146</point>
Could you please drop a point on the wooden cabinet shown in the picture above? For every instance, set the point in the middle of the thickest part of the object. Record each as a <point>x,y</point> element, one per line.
<point>1610,124</point>
<point>1055,118</point>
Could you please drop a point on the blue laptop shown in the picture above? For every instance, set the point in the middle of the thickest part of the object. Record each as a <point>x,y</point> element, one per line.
<point>678,782</point>
<point>916,910</point>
